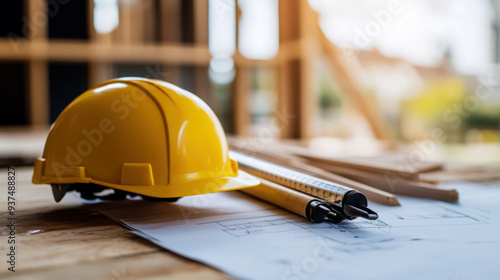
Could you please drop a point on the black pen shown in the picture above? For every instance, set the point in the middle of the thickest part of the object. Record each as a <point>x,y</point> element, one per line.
<point>314,209</point>
<point>348,202</point>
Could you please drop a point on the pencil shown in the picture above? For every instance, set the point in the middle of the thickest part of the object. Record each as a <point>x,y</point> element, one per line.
<point>371,193</point>
<point>392,183</point>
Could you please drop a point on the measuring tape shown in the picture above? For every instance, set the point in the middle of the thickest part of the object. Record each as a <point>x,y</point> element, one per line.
<point>293,179</point>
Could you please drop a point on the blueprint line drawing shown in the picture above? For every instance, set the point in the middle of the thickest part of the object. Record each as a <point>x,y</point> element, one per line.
<point>250,239</point>
<point>257,225</point>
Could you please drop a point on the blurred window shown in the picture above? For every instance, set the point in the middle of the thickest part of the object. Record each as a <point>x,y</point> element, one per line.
<point>258,33</point>
<point>105,15</point>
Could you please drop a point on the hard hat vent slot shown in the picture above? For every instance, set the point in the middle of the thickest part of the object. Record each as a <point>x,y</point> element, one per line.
<point>137,174</point>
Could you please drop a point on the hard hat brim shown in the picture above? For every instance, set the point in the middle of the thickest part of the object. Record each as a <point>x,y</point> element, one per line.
<point>195,187</point>
<point>202,186</point>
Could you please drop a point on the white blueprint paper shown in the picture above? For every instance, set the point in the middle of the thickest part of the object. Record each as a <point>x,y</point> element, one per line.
<point>248,239</point>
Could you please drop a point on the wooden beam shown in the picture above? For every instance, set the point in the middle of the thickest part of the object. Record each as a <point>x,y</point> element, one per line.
<point>288,51</point>
<point>288,99</point>
<point>201,22</point>
<point>38,92</point>
<point>99,72</point>
<point>288,67</point>
<point>169,19</point>
<point>103,49</point>
<point>397,185</point>
<point>123,33</point>
<point>149,21</point>
<point>308,53</point>
<point>202,84</point>
<point>288,20</point>
<point>347,83</point>
<point>241,111</point>
<point>38,72</point>
<point>37,13</point>
<point>59,50</point>
<point>375,166</point>
<point>200,17</point>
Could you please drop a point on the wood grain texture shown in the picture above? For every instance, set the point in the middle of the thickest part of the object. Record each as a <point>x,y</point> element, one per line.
<point>69,240</point>
<point>75,51</point>
<point>391,183</point>
<point>370,165</point>
<point>242,86</point>
<point>471,173</point>
<point>38,92</point>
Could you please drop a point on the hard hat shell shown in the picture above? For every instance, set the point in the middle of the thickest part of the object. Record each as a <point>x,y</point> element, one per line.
<point>142,136</point>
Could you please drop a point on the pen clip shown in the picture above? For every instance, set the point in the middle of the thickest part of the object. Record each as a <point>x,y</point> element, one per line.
<point>330,214</point>
<point>362,211</point>
<point>322,211</point>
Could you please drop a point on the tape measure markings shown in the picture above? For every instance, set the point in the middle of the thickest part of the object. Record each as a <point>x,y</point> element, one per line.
<point>291,178</point>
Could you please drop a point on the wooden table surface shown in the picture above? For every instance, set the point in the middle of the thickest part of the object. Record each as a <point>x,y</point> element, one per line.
<point>69,240</point>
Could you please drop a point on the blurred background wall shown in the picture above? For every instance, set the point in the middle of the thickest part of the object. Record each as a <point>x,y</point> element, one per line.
<point>384,69</point>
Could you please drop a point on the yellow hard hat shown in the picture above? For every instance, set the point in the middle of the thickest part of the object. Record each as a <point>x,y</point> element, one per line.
<point>140,137</point>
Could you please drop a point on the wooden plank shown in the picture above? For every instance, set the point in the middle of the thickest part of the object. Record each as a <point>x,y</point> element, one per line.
<point>374,166</point>
<point>176,53</point>
<point>200,26</point>
<point>99,72</point>
<point>136,19</point>
<point>202,84</point>
<point>462,173</point>
<point>38,92</point>
<point>122,34</point>
<point>149,21</point>
<point>200,29</point>
<point>153,265</point>
<point>201,22</point>
<point>371,193</point>
<point>288,68</point>
<point>58,50</point>
<point>308,53</point>
<point>55,240</point>
<point>288,99</point>
<point>38,77</point>
<point>289,28</point>
<point>37,13</point>
<point>307,105</point>
<point>392,184</point>
<point>288,51</point>
<point>170,21</point>
<point>240,100</point>
<point>51,235</point>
